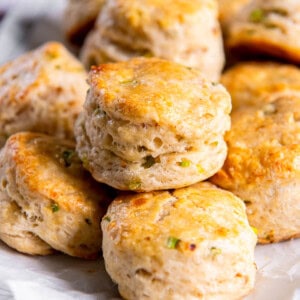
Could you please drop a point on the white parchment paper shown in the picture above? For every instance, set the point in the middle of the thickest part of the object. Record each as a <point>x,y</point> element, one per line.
<point>28,24</point>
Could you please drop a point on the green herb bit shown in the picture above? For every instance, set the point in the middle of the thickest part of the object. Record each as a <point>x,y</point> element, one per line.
<point>257,15</point>
<point>54,207</point>
<point>98,111</point>
<point>85,161</point>
<point>172,242</point>
<point>149,162</point>
<point>135,184</point>
<point>67,157</point>
<point>88,221</point>
<point>200,169</point>
<point>129,82</point>
<point>106,218</point>
<point>215,251</point>
<point>184,163</point>
<point>255,230</point>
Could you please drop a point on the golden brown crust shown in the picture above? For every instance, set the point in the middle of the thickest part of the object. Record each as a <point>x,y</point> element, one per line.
<point>47,196</point>
<point>175,31</point>
<point>262,166</point>
<point>211,232</point>
<point>167,91</point>
<point>252,83</point>
<point>43,91</point>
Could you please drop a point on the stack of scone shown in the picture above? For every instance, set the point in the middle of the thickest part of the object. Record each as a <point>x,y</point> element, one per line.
<point>156,127</point>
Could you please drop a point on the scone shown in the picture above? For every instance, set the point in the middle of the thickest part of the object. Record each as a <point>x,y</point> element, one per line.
<point>186,32</point>
<point>150,124</point>
<point>263,165</point>
<point>249,81</point>
<point>191,243</point>
<point>79,18</point>
<point>229,8</point>
<point>268,27</point>
<point>47,200</point>
<point>41,91</point>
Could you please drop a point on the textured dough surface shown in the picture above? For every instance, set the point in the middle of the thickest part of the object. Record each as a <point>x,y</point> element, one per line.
<point>186,32</point>
<point>190,243</point>
<point>47,200</point>
<point>150,124</point>
<point>41,91</point>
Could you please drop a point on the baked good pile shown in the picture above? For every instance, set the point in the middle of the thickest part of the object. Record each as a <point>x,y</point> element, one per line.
<point>150,148</point>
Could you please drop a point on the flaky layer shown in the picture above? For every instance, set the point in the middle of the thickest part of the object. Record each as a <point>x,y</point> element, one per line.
<point>152,124</point>
<point>47,198</point>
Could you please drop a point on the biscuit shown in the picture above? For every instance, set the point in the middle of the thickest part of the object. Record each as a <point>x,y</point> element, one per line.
<point>229,8</point>
<point>41,91</point>
<point>268,27</point>
<point>249,81</point>
<point>208,254</point>
<point>79,18</point>
<point>150,124</point>
<point>186,32</point>
<point>263,165</point>
<point>47,200</point>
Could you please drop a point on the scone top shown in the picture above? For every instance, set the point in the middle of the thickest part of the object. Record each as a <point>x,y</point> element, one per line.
<point>152,90</point>
<point>140,14</point>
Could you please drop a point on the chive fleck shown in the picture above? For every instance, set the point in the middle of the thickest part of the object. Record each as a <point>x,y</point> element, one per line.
<point>172,242</point>
<point>184,163</point>
<point>135,184</point>
<point>257,15</point>
<point>129,82</point>
<point>215,251</point>
<point>106,218</point>
<point>85,161</point>
<point>200,169</point>
<point>149,162</point>
<point>67,157</point>
<point>54,207</point>
<point>255,230</point>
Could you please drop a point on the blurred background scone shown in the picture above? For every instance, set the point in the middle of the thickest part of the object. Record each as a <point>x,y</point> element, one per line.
<point>262,166</point>
<point>191,243</point>
<point>269,27</point>
<point>47,200</point>
<point>79,18</point>
<point>229,8</point>
<point>41,91</point>
<point>249,81</point>
<point>150,124</point>
<point>187,32</point>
